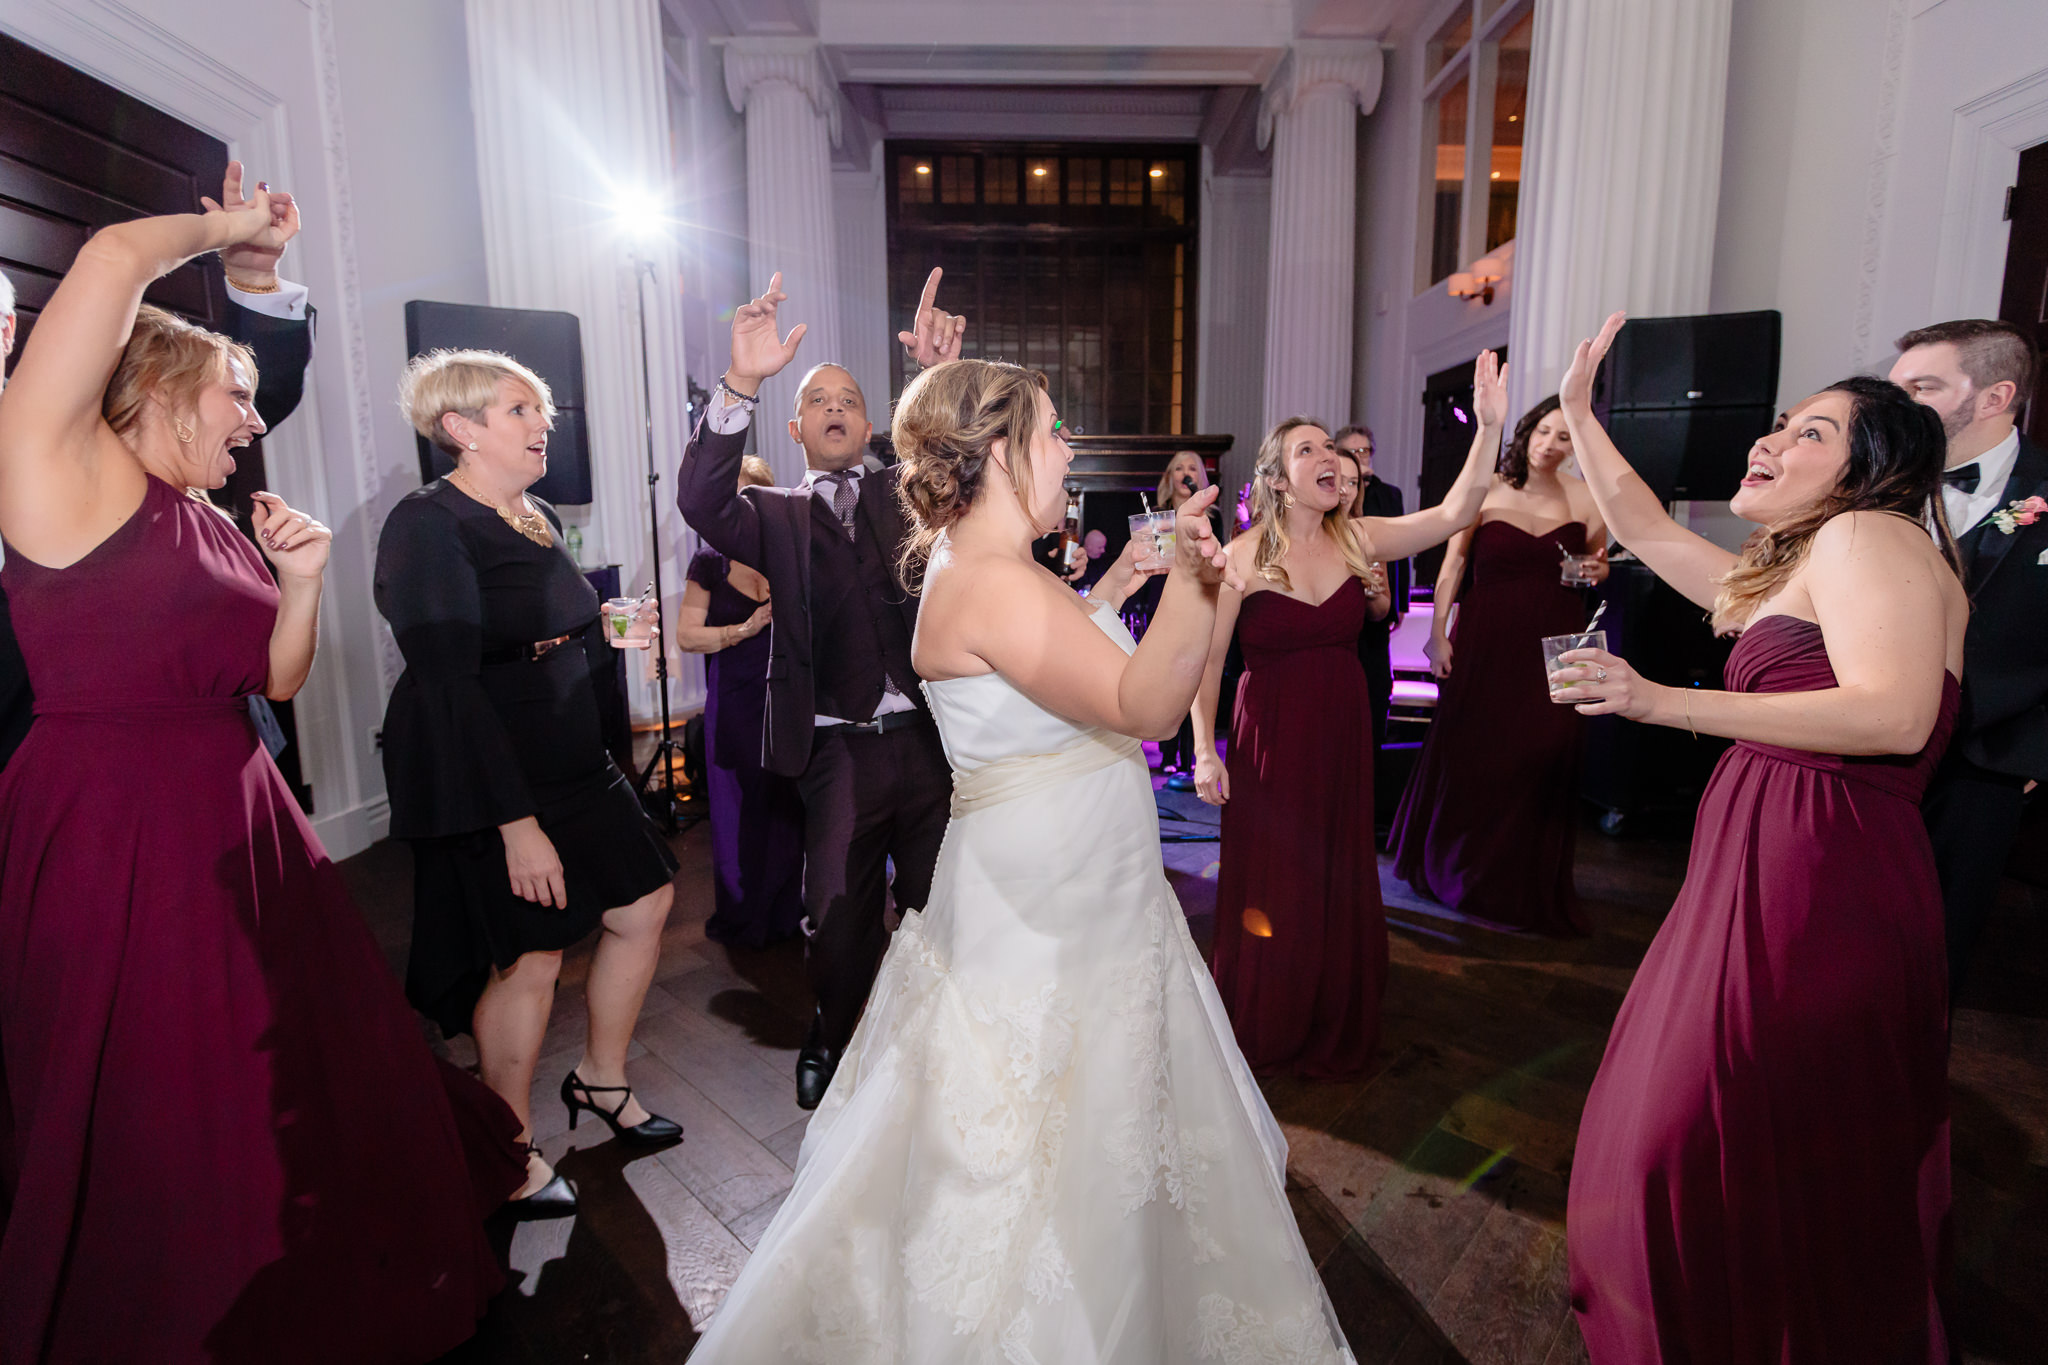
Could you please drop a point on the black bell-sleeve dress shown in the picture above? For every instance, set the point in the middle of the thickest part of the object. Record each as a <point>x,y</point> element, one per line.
<point>475,738</point>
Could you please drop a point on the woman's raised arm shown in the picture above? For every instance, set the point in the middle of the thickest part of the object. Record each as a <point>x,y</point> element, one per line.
<point>1394,538</point>
<point>1690,563</point>
<point>51,434</point>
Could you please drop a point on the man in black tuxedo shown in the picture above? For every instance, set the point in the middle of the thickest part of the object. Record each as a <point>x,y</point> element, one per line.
<point>270,317</point>
<point>1977,375</point>
<point>1379,499</point>
<point>845,716</point>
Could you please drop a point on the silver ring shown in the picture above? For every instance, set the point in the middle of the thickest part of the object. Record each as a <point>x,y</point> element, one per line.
<point>1600,675</point>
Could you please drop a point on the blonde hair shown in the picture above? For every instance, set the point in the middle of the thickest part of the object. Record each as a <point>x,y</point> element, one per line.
<point>464,383</point>
<point>1164,499</point>
<point>170,360</point>
<point>1269,506</point>
<point>754,473</point>
<point>945,429</point>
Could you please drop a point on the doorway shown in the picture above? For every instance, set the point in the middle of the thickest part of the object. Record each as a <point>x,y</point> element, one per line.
<point>77,154</point>
<point>2023,300</point>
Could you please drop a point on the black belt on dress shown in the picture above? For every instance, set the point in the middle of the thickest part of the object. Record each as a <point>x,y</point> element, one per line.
<point>526,654</point>
<point>880,725</point>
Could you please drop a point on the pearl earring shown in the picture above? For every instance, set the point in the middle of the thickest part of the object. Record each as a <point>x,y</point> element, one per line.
<point>184,433</point>
<point>472,445</point>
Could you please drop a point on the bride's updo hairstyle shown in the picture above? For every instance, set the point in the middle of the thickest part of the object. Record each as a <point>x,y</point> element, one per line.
<point>1896,453</point>
<point>946,426</point>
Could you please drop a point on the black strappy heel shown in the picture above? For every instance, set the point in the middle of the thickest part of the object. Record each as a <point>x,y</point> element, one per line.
<point>556,1199</point>
<point>655,1132</point>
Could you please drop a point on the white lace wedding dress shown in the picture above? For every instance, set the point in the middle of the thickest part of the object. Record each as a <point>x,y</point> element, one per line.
<point>1043,1144</point>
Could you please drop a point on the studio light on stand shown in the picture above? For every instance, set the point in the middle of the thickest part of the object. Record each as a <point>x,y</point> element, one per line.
<point>640,223</point>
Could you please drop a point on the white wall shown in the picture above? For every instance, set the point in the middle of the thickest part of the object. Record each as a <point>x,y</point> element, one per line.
<point>1231,322</point>
<point>361,109</point>
<point>1851,194</point>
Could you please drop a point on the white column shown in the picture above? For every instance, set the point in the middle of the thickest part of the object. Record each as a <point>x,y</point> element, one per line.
<point>792,109</point>
<point>864,332</point>
<point>571,114</point>
<point>1621,174</point>
<point>1236,216</point>
<point>1309,114</point>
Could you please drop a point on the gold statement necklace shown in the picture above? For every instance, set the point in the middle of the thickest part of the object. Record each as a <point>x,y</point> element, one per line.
<point>530,524</point>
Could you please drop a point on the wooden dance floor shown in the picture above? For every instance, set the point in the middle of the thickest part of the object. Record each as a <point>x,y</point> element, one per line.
<point>1432,1192</point>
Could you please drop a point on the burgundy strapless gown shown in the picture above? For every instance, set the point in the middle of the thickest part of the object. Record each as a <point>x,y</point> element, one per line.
<point>1301,935</point>
<point>222,1136</point>
<point>1762,1169</point>
<point>1490,818</point>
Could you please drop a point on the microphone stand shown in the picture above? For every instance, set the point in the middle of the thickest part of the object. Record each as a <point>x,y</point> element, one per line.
<point>665,806</point>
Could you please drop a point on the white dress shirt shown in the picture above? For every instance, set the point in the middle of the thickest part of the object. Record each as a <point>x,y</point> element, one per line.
<point>288,300</point>
<point>728,415</point>
<point>1994,468</point>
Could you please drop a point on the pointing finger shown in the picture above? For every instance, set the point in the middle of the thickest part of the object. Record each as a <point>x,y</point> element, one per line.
<point>231,184</point>
<point>931,289</point>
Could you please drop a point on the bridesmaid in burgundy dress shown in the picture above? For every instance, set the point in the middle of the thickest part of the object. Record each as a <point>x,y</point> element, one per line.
<point>1300,953</point>
<point>222,1138</point>
<point>1489,821</point>
<point>1762,1168</point>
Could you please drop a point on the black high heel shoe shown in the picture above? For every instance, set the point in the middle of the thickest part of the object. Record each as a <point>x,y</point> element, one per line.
<point>655,1132</point>
<point>556,1199</point>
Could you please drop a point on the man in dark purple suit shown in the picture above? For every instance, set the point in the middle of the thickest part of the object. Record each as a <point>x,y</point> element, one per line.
<point>845,716</point>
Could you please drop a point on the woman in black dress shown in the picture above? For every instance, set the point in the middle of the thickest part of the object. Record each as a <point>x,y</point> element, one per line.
<point>525,834</point>
<point>757,817</point>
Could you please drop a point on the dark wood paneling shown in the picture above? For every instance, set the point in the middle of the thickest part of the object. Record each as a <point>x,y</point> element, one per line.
<point>76,155</point>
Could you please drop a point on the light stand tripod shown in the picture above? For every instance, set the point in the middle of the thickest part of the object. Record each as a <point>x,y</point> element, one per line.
<point>663,805</point>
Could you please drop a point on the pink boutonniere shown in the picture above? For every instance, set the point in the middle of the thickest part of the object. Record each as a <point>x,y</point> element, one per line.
<point>2017,514</point>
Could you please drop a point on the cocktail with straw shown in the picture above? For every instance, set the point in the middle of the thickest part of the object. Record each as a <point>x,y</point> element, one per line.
<point>1556,645</point>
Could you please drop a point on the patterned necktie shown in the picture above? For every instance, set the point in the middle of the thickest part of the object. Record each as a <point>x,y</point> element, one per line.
<point>1964,479</point>
<point>845,496</point>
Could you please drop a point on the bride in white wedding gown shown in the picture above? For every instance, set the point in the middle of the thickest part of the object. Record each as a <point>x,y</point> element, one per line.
<point>1042,1144</point>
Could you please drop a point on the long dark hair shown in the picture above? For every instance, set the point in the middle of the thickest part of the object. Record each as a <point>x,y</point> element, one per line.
<point>1896,452</point>
<point>1514,461</point>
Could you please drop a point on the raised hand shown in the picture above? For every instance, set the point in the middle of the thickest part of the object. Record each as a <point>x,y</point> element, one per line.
<point>1195,545</point>
<point>1489,390</point>
<point>758,350</point>
<point>1575,390</point>
<point>253,261</point>
<point>936,334</point>
<point>291,540</point>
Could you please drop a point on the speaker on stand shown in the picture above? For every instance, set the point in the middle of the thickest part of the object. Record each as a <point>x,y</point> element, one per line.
<point>1683,399</point>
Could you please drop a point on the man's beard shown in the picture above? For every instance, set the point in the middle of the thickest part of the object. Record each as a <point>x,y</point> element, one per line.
<point>1956,421</point>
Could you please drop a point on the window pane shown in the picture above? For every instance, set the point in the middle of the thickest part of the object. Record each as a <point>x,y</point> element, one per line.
<point>1126,182</point>
<point>1449,149</point>
<point>999,180</point>
<point>913,180</point>
<point>1510,116</point>
<point>1042,181</point>
<point>1444,45</point>
<point>956,179</point>
<point>1169,195</point>
<point>1084,180</point>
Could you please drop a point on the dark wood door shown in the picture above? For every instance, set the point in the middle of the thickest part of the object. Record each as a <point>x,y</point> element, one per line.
<point>2025,297</point>
<point>75,155</point>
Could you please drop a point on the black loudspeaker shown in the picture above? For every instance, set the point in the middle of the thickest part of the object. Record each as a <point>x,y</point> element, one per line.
<point>1685,398</point>
<point>548,343</point>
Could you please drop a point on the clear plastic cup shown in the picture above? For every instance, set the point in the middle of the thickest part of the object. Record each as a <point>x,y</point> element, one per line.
<point>1578,571</point>
<point>627,623</point>
<point>1554,645</point>
<point>1154,534</point>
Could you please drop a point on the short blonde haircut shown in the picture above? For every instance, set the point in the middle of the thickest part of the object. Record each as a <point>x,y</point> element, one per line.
<point>170,360</point>
<point>754,473</point>
<point>464,383</point>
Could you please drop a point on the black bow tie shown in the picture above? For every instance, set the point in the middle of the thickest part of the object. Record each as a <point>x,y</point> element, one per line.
<point>1963,478</point>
